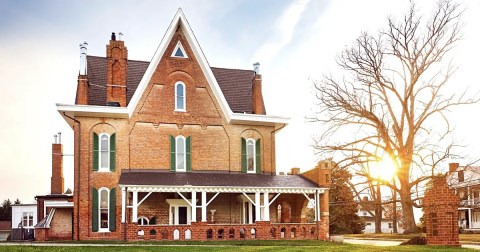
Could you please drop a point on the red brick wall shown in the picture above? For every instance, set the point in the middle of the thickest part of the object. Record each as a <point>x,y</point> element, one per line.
<point>61,225</point>
<point>56,186</point>
<point>441,214</point>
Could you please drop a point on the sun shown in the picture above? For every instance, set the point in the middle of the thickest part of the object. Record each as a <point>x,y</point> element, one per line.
<point>384,169</point>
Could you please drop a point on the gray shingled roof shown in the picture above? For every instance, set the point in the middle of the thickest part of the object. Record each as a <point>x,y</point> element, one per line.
<point>165,178</point>
<point>236,84</point>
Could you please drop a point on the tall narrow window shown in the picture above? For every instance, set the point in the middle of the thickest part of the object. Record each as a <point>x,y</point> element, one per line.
<point>104,151</point>
<point>250,155</point>
<point>180,154</point>
<point>103,207</point>
<point>180,143</point>
<point>180,97</point>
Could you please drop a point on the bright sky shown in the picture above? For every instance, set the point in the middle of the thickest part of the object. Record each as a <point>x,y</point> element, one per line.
<point>295,42</point>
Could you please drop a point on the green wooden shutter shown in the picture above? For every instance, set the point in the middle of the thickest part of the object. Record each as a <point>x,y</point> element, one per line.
<point>112,211</point>
<point>112,152</point>
<point>95,151</point>
<point>188,149</point>
<point>94,210</point>
<point>244,155</point>
<point>172,153</point>
<point>258,156</point>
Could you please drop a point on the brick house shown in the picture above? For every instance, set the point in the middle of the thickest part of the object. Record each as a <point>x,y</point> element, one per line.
<point>465,180</point>
<point>175,149</point>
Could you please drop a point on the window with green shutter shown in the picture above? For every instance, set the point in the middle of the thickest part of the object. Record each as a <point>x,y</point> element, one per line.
<point>244,155</point>
<point>112,210</point>
<point>188,150</point>
<point>112,152</point>
<point>172,153</point>
<point>94,210</point>
<point>95,151</point>
<point>258,162</point>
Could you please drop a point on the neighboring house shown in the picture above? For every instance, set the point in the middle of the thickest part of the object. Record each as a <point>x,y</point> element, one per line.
<point>175,149</point>
<point>5,229</point>
<point>24,219</point>
<point>466,182</point>
<point>366,210</point>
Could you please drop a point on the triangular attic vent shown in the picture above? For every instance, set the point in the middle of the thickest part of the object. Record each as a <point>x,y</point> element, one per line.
<point>179,52</point>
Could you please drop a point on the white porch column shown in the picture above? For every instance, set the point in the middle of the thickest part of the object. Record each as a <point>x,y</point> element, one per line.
<point>319,216</point>
<point>469,218</point>
<point>257,206</point>
<point>123,204</point>
<point>194,206</point>
<point>135,206</point>
<point>204,206</point>
<point>266,207</point>
<point>315,206</point>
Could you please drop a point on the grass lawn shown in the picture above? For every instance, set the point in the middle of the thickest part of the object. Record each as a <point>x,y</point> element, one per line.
<point>464,238</point>
<point>226,246</point>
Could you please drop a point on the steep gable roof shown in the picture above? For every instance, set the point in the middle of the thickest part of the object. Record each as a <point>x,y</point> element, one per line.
<point>126,112</point>
<point>236,84</point>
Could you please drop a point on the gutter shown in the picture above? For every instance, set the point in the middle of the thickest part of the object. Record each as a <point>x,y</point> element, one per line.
<point>78,165</point>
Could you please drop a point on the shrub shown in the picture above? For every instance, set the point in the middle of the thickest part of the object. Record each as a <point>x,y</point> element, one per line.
<point>417,240</point>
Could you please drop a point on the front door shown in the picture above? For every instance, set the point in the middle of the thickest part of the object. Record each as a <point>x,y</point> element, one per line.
<point>182,215</point>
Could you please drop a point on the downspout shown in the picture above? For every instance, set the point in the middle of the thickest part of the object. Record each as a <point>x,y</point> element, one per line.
<point>126,216</point>
<point>272,149</point>
<point>317,206</point>
<point>78,165</point>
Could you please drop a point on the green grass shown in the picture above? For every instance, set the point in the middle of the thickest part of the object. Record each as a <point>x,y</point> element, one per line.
<point>238,246</point>
<point>464,238</point>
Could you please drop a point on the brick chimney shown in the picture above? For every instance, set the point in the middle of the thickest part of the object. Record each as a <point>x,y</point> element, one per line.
<point>117,55</point>
<point>57,166</point>
<point>452,167</point>
<point>82,82</point>
<point>257,97</point>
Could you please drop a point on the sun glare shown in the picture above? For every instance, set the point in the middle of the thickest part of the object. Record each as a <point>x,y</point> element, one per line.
<point>384,169</point>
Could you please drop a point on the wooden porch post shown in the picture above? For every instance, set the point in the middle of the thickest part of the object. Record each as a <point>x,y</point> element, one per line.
<point>194,206</point>
<point>204,206</point>
<point>135,206</point>
<point>266,208</point>
<point>257,206</point>
<point>123,204</point>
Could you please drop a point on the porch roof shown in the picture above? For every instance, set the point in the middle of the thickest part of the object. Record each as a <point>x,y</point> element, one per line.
<point>155,178</point>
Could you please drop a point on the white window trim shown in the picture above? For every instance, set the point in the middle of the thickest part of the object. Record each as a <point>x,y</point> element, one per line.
<point>100,168</point>
<point>145,218</point>
<point>254,155</point>
<point>29,217</point>
<point>184,153</point>
<point>100,229</point>
<point>179,45</point>
<point>184,109</point>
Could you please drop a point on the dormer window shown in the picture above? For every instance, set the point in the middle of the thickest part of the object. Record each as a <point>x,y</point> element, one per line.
<point>180,97</point>
<point>179,52</point>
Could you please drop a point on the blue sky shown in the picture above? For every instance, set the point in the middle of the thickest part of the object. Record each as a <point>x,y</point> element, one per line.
<point>295,42</point>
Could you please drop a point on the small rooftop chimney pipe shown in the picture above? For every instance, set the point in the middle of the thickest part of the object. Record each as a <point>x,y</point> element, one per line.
<point>120,35</point>
<point>83,58</point>
<point>256,67</point>
<point>113,36</point>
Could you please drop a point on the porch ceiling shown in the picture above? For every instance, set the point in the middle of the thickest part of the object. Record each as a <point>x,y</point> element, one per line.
<point>153,180</point>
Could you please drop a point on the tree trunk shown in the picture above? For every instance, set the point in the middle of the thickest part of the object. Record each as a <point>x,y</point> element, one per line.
<point>407,207</point>
<point>378,211</point>
<point>394,209</point>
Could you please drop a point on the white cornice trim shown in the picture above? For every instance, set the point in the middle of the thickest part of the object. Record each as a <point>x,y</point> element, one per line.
<point>222,189</point>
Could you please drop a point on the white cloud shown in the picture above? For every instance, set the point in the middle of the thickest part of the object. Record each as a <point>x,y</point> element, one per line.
<point>284,30</point>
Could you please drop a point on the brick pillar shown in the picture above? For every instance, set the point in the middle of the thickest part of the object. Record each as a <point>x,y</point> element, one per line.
<point>57,169</point>
<point>257,97</point>
<point>441,214</point>
<point>323,230</point>
<point>117,55</point>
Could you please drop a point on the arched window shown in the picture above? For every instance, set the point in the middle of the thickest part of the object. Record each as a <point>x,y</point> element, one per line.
<point>103,209</point>
<point>180,100</point>
<point>104,152</point>
<point>180,153</point>
<point>250,156</point>
<point>142,220</point>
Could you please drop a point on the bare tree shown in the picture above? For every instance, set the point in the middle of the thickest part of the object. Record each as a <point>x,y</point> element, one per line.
<point>391,101</point>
